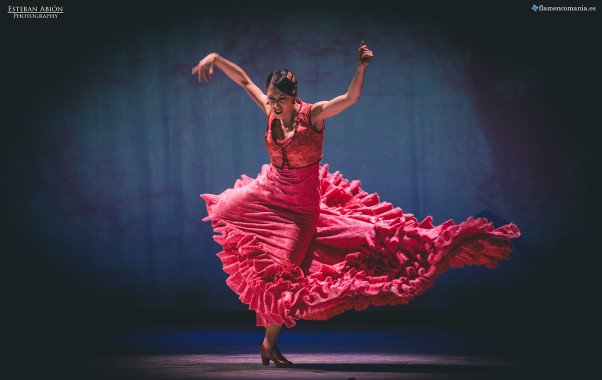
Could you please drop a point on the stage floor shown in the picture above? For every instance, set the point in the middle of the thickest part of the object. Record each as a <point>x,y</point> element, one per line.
<point>320,350</point>
<point>335,365</point>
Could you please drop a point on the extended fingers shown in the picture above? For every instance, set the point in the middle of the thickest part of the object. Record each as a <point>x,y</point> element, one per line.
<point>202,68</point>
<point>198,69</point>
<point>207,72</point>
<point>202,73</point>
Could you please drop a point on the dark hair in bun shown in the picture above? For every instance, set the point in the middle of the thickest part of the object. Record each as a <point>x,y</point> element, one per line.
<point>283,80</point>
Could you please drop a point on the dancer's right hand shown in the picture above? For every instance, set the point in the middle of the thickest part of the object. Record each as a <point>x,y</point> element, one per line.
<point>205,67</point>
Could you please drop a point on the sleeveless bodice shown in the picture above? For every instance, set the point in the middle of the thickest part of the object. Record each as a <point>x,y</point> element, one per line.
<point>302,148</point>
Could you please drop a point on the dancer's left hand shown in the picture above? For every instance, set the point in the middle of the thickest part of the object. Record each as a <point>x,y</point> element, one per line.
<point>364,55</point>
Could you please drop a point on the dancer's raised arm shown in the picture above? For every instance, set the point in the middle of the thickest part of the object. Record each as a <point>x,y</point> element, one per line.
<point>325,109</point>
<point>234,72</point>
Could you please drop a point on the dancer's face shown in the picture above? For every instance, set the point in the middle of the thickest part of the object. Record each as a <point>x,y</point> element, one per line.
<point>282,105</point>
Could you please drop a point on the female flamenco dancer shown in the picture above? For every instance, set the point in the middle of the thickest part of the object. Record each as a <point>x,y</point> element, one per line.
<point>300,242</point>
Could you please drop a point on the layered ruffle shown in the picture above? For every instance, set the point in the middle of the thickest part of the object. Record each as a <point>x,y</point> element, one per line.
<point>364,252</point>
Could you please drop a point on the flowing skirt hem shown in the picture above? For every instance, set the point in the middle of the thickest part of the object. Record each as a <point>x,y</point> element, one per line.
<point>394,259</point>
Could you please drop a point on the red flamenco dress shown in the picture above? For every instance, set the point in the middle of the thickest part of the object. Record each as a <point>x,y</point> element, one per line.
<point>300,242</point>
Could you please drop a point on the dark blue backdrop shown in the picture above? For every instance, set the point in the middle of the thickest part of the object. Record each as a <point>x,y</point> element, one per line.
<point>468,109</point>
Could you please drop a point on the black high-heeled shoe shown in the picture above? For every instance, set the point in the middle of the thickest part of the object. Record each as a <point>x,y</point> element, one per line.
<point>274,355</point>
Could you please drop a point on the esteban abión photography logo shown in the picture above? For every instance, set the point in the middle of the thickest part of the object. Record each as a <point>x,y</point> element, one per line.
<point>35,12</point>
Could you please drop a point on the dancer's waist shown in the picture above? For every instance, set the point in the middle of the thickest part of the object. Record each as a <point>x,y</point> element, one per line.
<point>297,173</point>
<point>297,185</point>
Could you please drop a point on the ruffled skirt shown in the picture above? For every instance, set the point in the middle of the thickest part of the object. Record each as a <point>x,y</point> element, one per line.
<point>308,244</point>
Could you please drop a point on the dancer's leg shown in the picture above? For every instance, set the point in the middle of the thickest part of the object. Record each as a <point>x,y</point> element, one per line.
<point>271,335</point>
<point>270,351</point>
